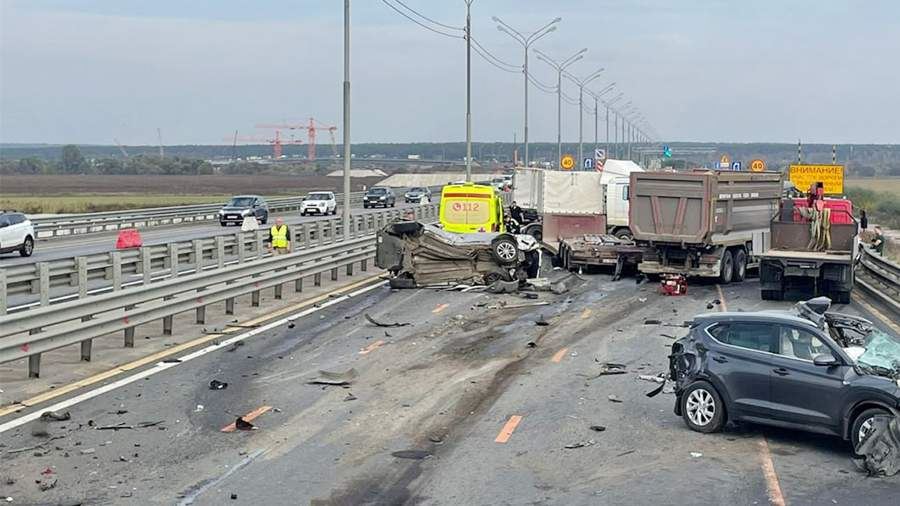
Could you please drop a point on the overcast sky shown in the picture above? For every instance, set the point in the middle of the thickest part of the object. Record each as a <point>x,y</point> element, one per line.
<point>90,71</point>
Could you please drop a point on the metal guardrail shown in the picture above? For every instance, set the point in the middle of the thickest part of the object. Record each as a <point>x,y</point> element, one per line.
<point>29,334</point>
<point>880,277</point>
<point>73,276</point>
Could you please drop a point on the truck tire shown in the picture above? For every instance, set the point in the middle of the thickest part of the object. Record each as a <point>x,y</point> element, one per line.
<point>771,295</point>
<point>740,266</point>
<point>624,234</point>
<point>727,268</point>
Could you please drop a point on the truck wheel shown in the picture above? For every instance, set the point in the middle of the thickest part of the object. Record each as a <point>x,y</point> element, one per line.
<point>771,295</point>
<point>740,266</point>
<point>624,234</point>
<point>504,250</point>
<point>727,268</point>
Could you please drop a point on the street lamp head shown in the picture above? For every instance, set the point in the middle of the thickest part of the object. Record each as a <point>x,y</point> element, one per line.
<point>557,20</point>
<point>495,19</point>
<point>552,28</point>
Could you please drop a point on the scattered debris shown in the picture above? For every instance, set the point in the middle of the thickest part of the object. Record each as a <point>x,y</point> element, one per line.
<point>436,438</point>
<point>652,322</point>
<point>654,379</point>
<point>291,324</point>
<point>235,346</point>
<point>668,336</point>
<point>123,426</point>
<point>334,378</point>
<point>696,455</point>
<point>627,452</point>
<point>234,497</point>
<point>879,451</point>
<point>528,295</point>
<point>531,344</point>
<point>241,424</point>
<point>580,444</point>
<point>33,447</point>
<point>172,361</point>
<point>608,368</point>
<point>613,398</point>
<point>199,408</point>
<point>217,385</point>
<point>350,397</point>
<point>377,323</point>
<point>642,299</point>
<point>501,286</point>
<point>411,454</point>
<point>541,322</point>
<point>55,416</point>
<point>673,284</point>
<point>47,483</point>
<point>88,451</point>
<point>597,428</point>
<point>657,390</point>
<point>516,306</point>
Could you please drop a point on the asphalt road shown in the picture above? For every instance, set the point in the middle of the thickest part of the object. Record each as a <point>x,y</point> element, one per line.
<point>456,408</point>
<point>86,244</point>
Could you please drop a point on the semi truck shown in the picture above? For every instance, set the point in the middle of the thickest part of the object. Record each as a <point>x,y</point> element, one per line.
<point>712,224</point>
<point>812,246</point>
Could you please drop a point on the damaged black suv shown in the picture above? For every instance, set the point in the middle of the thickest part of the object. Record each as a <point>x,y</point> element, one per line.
<point>809,369</point>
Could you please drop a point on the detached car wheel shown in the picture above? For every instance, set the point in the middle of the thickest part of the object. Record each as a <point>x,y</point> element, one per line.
<point>505,250</point>
<point>702,408</point>
<point>863,424</point>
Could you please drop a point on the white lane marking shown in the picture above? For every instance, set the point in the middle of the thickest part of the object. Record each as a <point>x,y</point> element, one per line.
<point>162,366</point>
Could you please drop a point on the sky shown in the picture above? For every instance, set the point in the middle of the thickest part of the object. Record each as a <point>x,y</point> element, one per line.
<point>92,71</point>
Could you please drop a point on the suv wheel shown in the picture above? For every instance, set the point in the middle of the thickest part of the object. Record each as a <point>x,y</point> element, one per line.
<point>862,424</point>
<point>702,408</point>
<point>505,250</point>
<point>27,247</point>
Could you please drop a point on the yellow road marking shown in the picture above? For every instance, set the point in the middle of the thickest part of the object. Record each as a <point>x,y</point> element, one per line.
<point>370,348</point>
<point>775,496</point>
<point>160,355</point>
<point>440,308</point>
<point>558,356</point>
<point>723,306</point>
<point>248,417</point>
<point>508,429</point>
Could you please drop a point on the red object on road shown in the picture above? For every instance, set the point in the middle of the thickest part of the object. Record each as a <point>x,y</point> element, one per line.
<point>673,284</point>
<point>129,238</point>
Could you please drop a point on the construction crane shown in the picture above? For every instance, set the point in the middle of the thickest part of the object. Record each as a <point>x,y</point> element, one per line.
<point>276,142</point>
<point>311,128</point>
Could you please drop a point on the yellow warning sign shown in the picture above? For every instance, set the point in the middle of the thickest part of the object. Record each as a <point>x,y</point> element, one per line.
<point>758,165</point>
<point>831,176</point>
<point>725,160</point>
<point>567,162</point>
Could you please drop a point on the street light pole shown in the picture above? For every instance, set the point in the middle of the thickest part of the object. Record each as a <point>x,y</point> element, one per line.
<point>526,43</point>
<point>560,67</point>
<point>581,83</point>
<point>345,215</point>
<point>468,91</point>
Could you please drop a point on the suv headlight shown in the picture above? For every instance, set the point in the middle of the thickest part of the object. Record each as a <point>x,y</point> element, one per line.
<point>221,211</point>
<point>382,198</point>
<point>245,212</point>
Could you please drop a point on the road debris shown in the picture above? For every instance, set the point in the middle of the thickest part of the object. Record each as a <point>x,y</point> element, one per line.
<point>580,444</point>
<point>411,454</point>
<point>235,346</point>
<point>879,451</point>
<point>501,286</point>
<point>334,378</point>
<point>56,416</point>
<point>528,295</point>
<point>696,455</point>
<point>713,303</point>
<point>241,424</point>
<point>608,369</point>
<point>350,397</point>
<point>652,321</point>
<point>541,322</point>
<point>172,361</point>
<point>34,447</point>
<point>531,344</point>
<point>597,428</point>
<point>199,408</point>
<point>657,390</point>
<point>47,483</point>
<point>613,398</point>
<point>123,426</point>
<point>377,323</point>
<point>653,379</point>
<point>627,452</point>
<point>217,385</point>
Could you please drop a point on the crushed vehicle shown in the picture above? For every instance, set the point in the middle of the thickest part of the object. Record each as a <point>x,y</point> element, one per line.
<point>417,254</point>
<point>808,369</point>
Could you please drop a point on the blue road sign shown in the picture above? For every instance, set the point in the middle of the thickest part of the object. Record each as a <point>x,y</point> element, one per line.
<point>736,166</point>
<point>587,164</point>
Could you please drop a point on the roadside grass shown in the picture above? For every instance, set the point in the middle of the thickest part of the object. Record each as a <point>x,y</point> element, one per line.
<point>881,184</point>
<point>63,204</point>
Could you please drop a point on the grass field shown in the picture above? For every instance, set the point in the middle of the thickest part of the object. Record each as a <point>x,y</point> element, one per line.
<point>879,184</point>
<point>80,194</point>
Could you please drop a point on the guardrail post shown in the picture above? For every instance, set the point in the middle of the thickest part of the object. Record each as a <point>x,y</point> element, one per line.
<point>44,280</point>
<point>307,240</point>
<point>146,268</point>
<point>364,264</point>
<point>86,347</point>
<point>34,365</point>
<point>333,223</point>
<point>201,313</point>
<point>317,279</point>
<point>167,325</point>
<point>229,305</point>
<point>334,274</point>
<point>260,239</point>
<point>298,285</point>
<point>220,251</point>
<point>197,247</point>
<point>116,257</point>
<point>129,332</point>
<point>254,298</point>
<point>239,247</point>
<point>2,292</point>
<point>320,232</point>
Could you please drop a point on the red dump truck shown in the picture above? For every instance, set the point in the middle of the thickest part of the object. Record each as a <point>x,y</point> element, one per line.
<point>704,223</point>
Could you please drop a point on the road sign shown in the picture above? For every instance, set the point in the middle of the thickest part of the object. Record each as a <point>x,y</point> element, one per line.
<point>831,176</point>
<point>587,164</point>
<point>600,154</point>
<point>725,162</point>
<point>736,166</point>
<point>567,162</point>
<point>758,165</point>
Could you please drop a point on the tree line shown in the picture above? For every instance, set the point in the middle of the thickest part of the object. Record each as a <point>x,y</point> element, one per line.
<point>72,161</point>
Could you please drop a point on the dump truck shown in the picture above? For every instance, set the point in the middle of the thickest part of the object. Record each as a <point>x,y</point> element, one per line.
<point>705,223</point>
<point>812,246</point>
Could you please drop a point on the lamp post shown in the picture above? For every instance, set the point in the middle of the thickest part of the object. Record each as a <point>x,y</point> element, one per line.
<point>526,42</point>
<point>615,125</point>
<point>468,91</point>
<point>581,83</point>
<point>597,96</point>
<point>560,67</point>
<point>345,215</point>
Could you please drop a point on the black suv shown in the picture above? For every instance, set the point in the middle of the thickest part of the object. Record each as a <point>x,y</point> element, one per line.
<point>379,196</point>
<point>241,206</point>
<point>781,368</point>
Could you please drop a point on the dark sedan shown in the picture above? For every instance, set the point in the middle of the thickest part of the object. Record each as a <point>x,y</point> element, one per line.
<point>242,206</point>
<point>782,368</point>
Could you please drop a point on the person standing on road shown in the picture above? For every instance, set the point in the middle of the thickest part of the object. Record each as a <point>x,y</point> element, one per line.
<point>878,242</point>
<point>279,238</point>
<point>863,220</point>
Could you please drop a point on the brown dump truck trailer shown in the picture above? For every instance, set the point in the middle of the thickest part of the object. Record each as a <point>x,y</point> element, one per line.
<point>704,223</point>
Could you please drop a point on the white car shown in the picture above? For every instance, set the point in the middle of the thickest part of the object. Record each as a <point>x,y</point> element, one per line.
<point>16,233</point>
<point>319,203</point>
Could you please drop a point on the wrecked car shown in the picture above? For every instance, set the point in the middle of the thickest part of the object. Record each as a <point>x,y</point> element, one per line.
<point>785,368</point>
<point>416,254</point>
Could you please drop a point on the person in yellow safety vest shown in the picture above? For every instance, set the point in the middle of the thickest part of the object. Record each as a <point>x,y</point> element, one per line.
<point>279,238</point>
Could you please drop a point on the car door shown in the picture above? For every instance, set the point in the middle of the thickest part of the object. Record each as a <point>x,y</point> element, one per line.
<point>739,358</point>
<point>17,225</point>
<point>6,232</point>
<point>802,392</point>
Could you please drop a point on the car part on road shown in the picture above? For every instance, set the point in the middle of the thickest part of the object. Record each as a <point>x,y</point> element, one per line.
<point>334,378</point>
<point>613,398</point>
<point>500,286</point>
<point>217,385</point>
<point>377,323</point>
<point>541,322</point>
<point>597,428</point>
<point>241,424</point>
<point>580,444</point>
<point>879,450</point>
<point>673,284</point>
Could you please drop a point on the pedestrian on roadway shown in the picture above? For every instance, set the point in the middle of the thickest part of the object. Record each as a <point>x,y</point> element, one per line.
<point>878,242</point>
<point>279,238</point>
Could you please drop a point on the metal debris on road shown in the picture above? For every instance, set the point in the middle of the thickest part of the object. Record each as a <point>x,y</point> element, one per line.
<point>657,390</point>
<point>879,451</point>
<point>613,398</point>
<point>652,321</point>
<point>241,424</point>
<point>235,346</point>
<point>123,426</point>
<point>541,322</point>
<point>350,397</point>
<point>377,323</point>
<point>627,452</point>
<point>199,408</point>
<point>411,454</point>
<point>580,444</point>
<point>172,361</point>
<point>597,428</point>
<point>334,378</point>
<point>217,385</point>
<point>654,379</point>
<point>47,483</point>
<point>531,344</point>
<point>696,455</point>
<point>501,286</point>
<point>55,416</point>
<point>528,295</point>
<point>608,369</point>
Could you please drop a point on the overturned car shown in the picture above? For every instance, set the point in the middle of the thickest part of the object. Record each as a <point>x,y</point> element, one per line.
<point>808,369</point>
<point>417,254</point>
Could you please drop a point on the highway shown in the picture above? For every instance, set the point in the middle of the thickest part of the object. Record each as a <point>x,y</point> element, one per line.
<point>468,404</point>
<point>86,244</point>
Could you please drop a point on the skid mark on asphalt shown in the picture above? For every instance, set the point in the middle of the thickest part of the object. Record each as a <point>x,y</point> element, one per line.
<point>508,428</point>
<point>558,356</point>
<point>248,417</point>
<point>370,348</point>
<point>765,456</point>
<point>440,308</point>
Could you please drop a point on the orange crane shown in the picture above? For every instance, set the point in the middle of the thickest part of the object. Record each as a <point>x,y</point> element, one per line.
<point>311,129</point>
<point>276,142</point>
